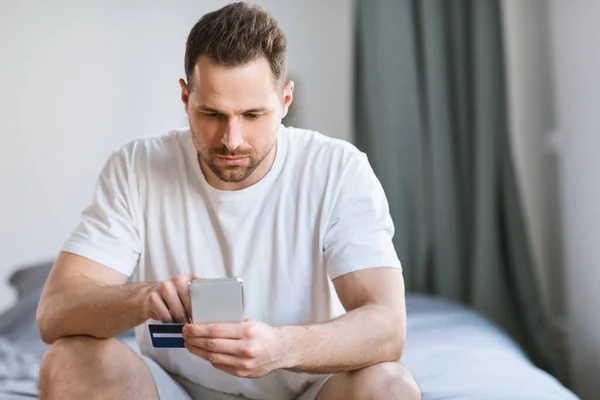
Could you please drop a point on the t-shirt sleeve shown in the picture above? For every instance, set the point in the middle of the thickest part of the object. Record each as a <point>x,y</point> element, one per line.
<point>360,229</point>
<point>107,232</point>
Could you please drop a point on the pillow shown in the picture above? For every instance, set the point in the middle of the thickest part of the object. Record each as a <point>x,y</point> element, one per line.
<point>30,278</point>
<point>18,322</point>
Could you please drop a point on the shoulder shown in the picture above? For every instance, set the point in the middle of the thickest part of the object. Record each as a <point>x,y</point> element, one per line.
<point>147,151</point>
<point>312,149</point>
<point>154,146</point>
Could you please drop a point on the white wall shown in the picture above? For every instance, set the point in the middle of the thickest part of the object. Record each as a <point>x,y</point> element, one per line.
<point>79,79</point>
<point>575,38</point>
<point>531,115</point>
<point>553,66</point>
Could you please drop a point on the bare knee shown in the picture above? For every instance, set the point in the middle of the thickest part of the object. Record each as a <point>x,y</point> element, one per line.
<point>73,366</point>
<point>66,361</point>
<point>68,352</point>
<point>390,380</point>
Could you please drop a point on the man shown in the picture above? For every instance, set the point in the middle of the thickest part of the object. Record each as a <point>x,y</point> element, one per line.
<point>299,216</point>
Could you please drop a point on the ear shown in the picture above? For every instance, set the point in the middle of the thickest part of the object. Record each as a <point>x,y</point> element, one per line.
<point>184,93</point>
<point>287,97</point>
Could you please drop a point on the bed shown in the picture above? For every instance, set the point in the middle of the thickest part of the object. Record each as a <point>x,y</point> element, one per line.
<point>454,353</point>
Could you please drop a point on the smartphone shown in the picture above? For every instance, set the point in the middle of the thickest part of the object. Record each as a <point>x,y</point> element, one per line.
<point>217,300</point>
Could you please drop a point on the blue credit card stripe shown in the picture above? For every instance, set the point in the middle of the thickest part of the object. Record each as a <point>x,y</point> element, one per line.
<point>166,328</point>
<point>168,343</point>
<point>167,335</point>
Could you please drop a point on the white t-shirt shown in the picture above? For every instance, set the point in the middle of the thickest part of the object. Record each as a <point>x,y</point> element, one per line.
<point>320,212</point>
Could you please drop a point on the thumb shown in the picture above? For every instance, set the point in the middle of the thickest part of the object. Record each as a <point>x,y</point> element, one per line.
<point>196,276</point>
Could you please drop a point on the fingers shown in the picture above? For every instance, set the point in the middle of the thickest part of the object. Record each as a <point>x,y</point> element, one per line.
<point>182,286</point>
<point>158,308</point>
<point>170,301</point>
<point>220,358</point>
<point>236,366</point>
<point>235,347</point>
<point>194,277</point>
<point>169,293</point>
<point>220,330</point>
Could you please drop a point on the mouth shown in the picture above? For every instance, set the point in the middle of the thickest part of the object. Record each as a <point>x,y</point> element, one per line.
<point>232,160</point>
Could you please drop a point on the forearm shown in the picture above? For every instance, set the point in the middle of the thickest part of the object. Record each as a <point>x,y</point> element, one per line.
<point>365,336</point>
<point>92,309</point>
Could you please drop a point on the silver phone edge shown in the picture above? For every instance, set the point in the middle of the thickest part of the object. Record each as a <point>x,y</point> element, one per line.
<point>236,278</point>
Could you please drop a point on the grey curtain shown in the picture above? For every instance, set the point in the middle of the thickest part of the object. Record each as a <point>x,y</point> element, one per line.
<point>430,114</point>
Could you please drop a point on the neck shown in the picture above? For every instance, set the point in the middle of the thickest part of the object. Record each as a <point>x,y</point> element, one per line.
<point>263,168</point>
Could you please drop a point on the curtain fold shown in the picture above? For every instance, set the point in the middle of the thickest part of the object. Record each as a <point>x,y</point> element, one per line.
<point>430,112</point>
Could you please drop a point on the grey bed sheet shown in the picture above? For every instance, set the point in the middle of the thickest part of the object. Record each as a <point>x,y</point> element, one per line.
<point>454,353</point>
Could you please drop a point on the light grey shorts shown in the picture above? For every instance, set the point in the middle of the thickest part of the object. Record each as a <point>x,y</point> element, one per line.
<point>171,387</point>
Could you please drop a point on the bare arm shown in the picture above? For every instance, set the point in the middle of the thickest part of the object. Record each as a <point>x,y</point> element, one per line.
<point>372,331</point>
<point>82,297</point>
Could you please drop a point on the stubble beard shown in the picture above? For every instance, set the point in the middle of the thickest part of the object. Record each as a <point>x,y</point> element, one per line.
<point>233,173</point>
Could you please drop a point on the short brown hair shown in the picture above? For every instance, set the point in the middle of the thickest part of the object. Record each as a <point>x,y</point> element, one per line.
<point>236,35</point>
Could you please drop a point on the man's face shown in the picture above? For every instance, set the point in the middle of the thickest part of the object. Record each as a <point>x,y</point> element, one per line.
<point>234,115</point>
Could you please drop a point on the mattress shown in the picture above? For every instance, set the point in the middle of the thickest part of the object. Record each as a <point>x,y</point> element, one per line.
<point>453,352</point>
<point>457,354</point>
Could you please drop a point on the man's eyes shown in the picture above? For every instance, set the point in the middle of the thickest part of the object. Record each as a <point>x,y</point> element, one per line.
<point>250,116</point>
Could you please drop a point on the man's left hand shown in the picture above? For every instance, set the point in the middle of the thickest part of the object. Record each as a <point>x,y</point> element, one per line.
<point>250,349</point>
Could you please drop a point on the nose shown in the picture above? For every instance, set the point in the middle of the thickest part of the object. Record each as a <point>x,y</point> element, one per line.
<point>233,138</point>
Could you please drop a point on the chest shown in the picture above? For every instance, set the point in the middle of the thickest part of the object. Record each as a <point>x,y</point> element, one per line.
<point>274,234</point>
<point>274,243</point>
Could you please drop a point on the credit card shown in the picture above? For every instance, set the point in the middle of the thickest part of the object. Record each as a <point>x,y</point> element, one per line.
<point>166,335</point>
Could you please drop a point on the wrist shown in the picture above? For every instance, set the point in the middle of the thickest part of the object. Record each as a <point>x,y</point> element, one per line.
<point>144,294</point>
<point>292,338</point>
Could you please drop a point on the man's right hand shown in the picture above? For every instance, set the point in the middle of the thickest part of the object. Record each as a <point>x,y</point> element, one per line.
<point>169,301</point>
